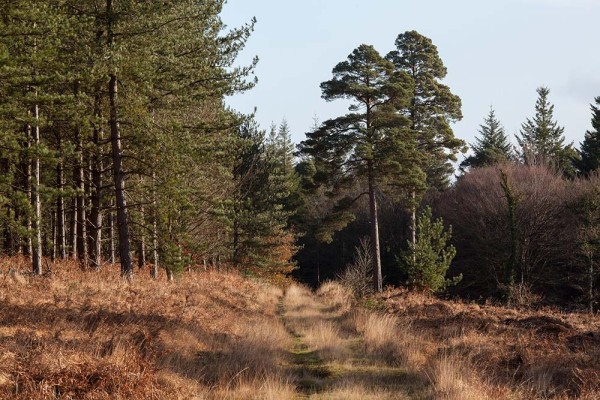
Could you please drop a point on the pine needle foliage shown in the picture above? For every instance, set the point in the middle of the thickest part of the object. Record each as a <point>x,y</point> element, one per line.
<point>428,259</point>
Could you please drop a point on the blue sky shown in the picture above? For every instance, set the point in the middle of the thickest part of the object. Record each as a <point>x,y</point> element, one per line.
<point>497,53</point>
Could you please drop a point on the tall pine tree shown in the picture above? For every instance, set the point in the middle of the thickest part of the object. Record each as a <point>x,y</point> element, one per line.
<point>367,143</point>
<point>432,108</point>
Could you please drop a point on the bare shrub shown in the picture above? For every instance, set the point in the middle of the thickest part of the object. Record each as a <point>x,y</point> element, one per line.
<point>358,276</point>
<point>477,209</point>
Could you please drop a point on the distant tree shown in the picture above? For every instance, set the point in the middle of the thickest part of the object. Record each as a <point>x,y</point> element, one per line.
<point>590,148</point>
<point>428,260</point>
<point>542,139</point>
<point>370,142</point>
<point>492,147</point>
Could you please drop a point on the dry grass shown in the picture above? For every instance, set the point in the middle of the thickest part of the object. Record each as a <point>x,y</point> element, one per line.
<point>385,338</point>
<point>316,323</point>
<point>349,391</point>
<point>483,351</point>
<point>452,380</point>
<point>89,335</point>
<point>337,296</point>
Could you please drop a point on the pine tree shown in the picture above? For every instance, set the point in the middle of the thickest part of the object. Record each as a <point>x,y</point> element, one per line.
<point>429,258</point>
<point>432,108</point>
<point>492,147</point>
<point>366,143</point>
<point>590,147</point>
<point>542,139</point>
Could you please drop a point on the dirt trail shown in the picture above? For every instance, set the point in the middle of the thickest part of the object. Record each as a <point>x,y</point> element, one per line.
<point>329,359</point>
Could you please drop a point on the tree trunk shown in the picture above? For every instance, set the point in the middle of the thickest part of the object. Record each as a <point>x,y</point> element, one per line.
<point>79,175</point>
<point>154,229</point>
<point>377,277</point>
<point>154,249</point>
<point>111,238</point>
<point>591,284</point>
<point>117,159</point>
<point>73,230</point>
<point>53,252</point>
<point>142,240</point>
<point>413,225</point>
<point>36,225</point>
<point>121,203</point>
<point>60,207</point>
<point>95,211</point>
<point>28,245</point>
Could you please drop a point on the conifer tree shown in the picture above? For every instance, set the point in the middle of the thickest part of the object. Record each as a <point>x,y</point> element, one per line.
<point>429,258</point>
<point>432,108</point>
<point>492,147</point>
<point>590,147</point>
<point>265,184</point>
<point>542,140</point>
<point>368,142</point>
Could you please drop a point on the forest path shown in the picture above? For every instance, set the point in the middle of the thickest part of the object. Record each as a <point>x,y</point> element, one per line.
<point>329,359</point>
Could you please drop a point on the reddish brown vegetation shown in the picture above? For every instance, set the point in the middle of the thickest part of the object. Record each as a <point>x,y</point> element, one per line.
<point>514,354</point>
<point>91,335</point>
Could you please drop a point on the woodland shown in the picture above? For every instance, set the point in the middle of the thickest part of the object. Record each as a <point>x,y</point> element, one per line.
<point>117,148</point>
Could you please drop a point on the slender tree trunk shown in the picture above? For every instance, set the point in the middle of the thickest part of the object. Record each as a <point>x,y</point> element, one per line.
<point>95,211</point>
<point>60,207</point>
<point>121,203</point>
<point>73,230</point>
<point>117,159</point>
<point>9,235</point>
<point>154,239</point>
<point>28,245</point>
<point>36,225</point>
<point>591,284</point>
<point>377,277</point>
<point>111,238</point>
<point>142,240</point>
<point>82,253</point>
<point>413,224</point>
<point>54,241</point>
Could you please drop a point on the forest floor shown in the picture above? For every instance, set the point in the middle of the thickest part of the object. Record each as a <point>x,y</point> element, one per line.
<point>218,335</point>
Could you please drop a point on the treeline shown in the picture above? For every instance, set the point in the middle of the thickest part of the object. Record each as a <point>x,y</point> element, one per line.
<point>519,222</point>
<point>116,144</point>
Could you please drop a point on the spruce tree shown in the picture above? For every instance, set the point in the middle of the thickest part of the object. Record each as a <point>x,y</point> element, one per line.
<point>542,139</point>
<point>492,147</point>
<point>590,147</point>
